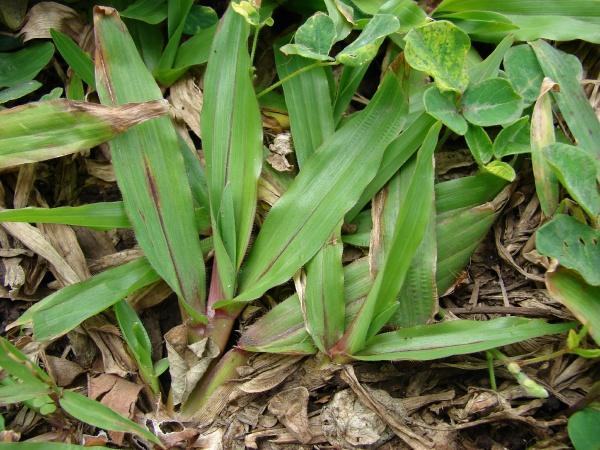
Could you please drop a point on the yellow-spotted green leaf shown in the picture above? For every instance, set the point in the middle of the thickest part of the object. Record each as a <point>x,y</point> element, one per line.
<point>23,65</point>
<point>149,11</point>
<point>541,136</point>
<point>514,139</point>
<point>442,106</point>
<point>44,130</point>
<point>75,57</point>
<point>152,179</point>
<point>524,72</point>
<point>457,337</point>
<point>565,70</point>
<point>440,48</point>
<point>326,188</point>
<point>479,143</point>
<point>574,244</point>
<point>491,102</point>
<point>483,26</point>
<point>96,414</point>
<point>251,13</point>
<point>365,47</point>
<point>578,296</point>
<point>583,426</point>
<point>412,221</point>
<point>313,39</point>
<point>18,91</point>
<point>232,142</point>
<point>577,172</point>
<point>501,169</point>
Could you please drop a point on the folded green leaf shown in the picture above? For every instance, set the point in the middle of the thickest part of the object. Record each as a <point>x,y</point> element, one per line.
<point>326,188</point>
<point>524,72</point>
<point>440,48</point>
<point>75,57</point>
<point>96,414</point>
<point>232,141</point>
<point>574,244</point>
<point>491,102</point>
<point>313,39</point>
<point>457,337</point>
<point>23,65</point>
<point>152,179</point>
<point>442,106</point>
<point>44,130</point>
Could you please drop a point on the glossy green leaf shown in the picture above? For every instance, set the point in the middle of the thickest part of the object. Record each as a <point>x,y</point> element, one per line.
<point>524,72</point>
<point>43,130</point>
<point>324,191</point>
<point>149,11</point>
<point>583,429</point>
<point>577,172</point>
<point>153,179</point>
<point>365,47</point>
<point>442,106</point>
<point>313,39</point>
<point>412,221</point>
<point>200,18</point>
<point>18,91</point>
<point>479,143</point>
<point>574,244</point>
<point>75,57</point>
<point>578,296</point>
<point>23,65</point>
<point>491,102</point>
<point>574,106</point>
<point>514,139</point>
<point>136,337</point>
<point>96,414</point>
<point>501,169</point>
<point>439,49</point>
<point>232,142</point>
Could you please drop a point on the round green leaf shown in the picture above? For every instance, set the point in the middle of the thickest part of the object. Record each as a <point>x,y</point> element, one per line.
<point>314,38</point>
<point>583,429</point>
<point>514,139</point>
<point>480,144</point>
<point>524,72</point>
<point>491,102</point>
<point>501,169</point>
<point>439,48</point>
<point>442,106</point>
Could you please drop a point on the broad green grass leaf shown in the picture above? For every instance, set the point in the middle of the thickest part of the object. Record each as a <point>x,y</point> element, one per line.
<point>43,130</point>
<point>96,414</point>
<point>149,11</point>
<point>136,337</point>
<point>45,446</point>
<point>457,337</point>
<point>75,57</point>
<point>152,180</point>
<point>366,45</point>
<point>200,18</point>
<point>23,65</point>
<point>501,169</point>
<point>483,26</point>
<point>20,392</point>
<point>19,366</point>
<point>490,66</point>
<point>577,171</point>
<point>412,221</point>
<point>565,70</point>
<point>347,85</point>
<point>195,50</point>
<point>467,192</point>
<point>442,106</point>
<point>326,188</point>
<point>439,49</point>
<point>583,429</point>
<point>63,310</point>
<point>574,244</point>
<point>479,143</point>
<point>18,91</point>
<point>578,296</point>
<point>149,42</point>
<point>313,39</point>
<point>541,136</point>
<point>232,142</point>
<point>524,72</point>
<point>514,139</point>
<point>491,102</point>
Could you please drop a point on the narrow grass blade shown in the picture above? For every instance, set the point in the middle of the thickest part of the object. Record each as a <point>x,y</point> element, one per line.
<point>542,135</point>
<point>44,130</point>
<point>409,231</point>
<point>326,188</point>
<point>456,337</point>
<point>232,141</point>
<point>75,57</point>
<point>21,392</point>
<point>18,91</point>
<point>566,70</point>
<point>152,178</point>
<point>348,84</point>
<point>489,67</point>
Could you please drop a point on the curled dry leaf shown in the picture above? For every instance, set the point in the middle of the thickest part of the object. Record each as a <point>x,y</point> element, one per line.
<point>46,15</point>
<point>281,147</point>
<point>62,370</point>
<point>115,357</point>
<point>187,99</point>
<point>291,408</point>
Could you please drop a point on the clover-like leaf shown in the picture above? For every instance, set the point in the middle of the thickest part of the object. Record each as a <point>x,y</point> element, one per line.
<point>491,102</point>
<point>366,45</point>
<point>314,38</point>
<point>442,106</point>
<point>513,139</point>
<point>574,244</point>
<point>501,169</point>
<point>440,49</point>
<point>524,72</point>
<point>480,144</point>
